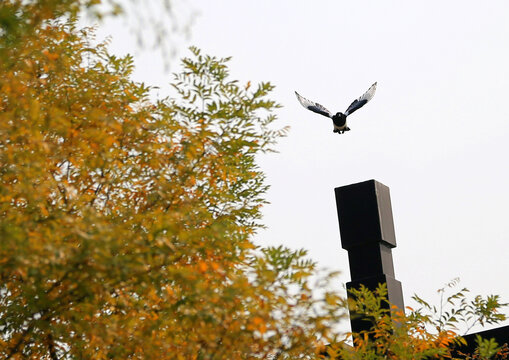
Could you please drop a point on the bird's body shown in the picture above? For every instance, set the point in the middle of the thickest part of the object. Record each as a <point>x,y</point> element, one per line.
<point>339,119</point>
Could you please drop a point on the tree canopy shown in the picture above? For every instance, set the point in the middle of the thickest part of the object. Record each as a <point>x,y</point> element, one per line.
<point>127,223</point>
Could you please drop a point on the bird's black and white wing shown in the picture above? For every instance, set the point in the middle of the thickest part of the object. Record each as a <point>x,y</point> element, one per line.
<point>360,102</point>
<point>315,107</point>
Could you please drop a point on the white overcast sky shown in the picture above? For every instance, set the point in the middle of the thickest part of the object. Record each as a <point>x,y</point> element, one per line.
<point>436,132</point>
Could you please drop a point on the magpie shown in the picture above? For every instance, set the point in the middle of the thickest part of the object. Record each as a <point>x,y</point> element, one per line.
<point>339,120</point>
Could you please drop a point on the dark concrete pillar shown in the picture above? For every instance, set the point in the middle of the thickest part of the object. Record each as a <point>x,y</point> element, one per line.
<point>367,233</point>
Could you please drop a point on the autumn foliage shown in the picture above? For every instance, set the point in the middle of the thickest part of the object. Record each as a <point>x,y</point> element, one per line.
<point>126,223</point>
<point>427,332</point>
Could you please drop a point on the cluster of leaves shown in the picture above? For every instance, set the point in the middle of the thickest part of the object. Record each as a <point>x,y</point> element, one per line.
<point>127,223</point>
<point>457,311</point>
<point>154,22</point>
<point>487,349</point>
<point>428,332</point>
<point>20,18</point>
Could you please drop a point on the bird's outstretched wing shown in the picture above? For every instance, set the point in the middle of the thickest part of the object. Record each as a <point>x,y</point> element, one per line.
<point>315,107</point>
<point>360,102</point>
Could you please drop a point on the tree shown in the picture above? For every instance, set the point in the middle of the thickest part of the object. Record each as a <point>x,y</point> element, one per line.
<point>126,224</point>
<point>425,333</point>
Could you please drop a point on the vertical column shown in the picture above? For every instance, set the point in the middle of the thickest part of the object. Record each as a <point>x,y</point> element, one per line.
<point>367,233</point>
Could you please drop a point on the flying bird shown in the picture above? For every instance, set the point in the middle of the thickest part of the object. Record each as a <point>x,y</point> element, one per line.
<point>339,120</point>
